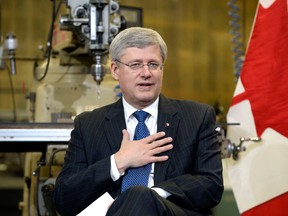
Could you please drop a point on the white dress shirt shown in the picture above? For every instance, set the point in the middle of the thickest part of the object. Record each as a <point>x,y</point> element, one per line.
<point>131,122</point>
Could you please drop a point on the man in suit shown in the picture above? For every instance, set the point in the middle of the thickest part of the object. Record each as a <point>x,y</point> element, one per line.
<point>182,151</point>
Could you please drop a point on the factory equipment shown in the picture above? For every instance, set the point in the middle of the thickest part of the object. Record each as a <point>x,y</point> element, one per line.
<point>64,87</point>
<point>95,22</point>
<point>8,53</point>
<point>11,45</point>
<point>80,48</point>
<point>69,90</point>
<point>44,144</point>
<point>228,148</point>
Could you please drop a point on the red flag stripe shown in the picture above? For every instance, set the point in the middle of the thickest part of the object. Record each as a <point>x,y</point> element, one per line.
<point>277,206</point>
<point>239,98</point>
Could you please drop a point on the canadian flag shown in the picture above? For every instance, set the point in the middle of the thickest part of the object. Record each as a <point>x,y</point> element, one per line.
<point>259,178</point>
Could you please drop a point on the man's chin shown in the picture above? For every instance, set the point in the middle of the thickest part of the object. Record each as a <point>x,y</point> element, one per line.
<point>148,99</point>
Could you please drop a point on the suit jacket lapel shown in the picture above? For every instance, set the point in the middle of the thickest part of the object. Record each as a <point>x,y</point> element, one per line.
<point>167,121</point>
<point>115,123</point>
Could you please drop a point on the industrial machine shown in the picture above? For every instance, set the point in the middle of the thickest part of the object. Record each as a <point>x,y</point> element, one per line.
<point>95,23</point>
<point>79,56</point>
<point>230,149</point>
<point>72,79</point>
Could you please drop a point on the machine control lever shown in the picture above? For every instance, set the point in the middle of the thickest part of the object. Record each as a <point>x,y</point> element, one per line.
<point>228,148</point>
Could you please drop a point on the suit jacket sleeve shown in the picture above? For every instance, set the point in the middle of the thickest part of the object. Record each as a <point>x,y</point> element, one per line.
<point>194,170</point>
<point>85,175</point>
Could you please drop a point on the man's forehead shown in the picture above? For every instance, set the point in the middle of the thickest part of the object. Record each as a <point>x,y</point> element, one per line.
<point>152,51</point>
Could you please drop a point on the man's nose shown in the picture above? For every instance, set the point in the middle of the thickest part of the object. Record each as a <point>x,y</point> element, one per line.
<point>145,71</point>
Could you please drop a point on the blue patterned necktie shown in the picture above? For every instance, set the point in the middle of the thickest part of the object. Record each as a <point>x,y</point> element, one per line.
<point>138,175</point>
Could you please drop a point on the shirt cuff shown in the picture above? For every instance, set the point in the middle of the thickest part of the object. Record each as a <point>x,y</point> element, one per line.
<point>161,192</point>
<point>115,175</point>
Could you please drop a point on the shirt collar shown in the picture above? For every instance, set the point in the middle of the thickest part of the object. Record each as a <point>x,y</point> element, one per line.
<point>129,110</point>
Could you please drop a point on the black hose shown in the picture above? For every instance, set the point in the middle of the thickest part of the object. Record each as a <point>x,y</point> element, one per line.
<point>47,55</point>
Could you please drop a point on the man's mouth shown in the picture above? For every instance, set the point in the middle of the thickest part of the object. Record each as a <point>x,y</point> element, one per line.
<point>145,84</point>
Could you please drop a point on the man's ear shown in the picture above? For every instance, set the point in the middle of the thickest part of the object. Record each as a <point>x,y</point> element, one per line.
<point>114,70</point>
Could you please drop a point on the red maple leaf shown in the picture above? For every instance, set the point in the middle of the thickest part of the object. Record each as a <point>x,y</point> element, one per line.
<point>265,70</point>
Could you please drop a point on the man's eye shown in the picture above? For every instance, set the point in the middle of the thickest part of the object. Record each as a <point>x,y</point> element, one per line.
<point>153,65</point>
<point>135,65</point>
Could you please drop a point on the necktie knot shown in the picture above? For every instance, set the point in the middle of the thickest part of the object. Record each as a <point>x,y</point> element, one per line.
<point>140,115</point>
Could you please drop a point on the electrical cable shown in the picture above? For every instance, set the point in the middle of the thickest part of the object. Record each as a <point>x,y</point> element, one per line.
<point>52,159</point>
<point>40,163</point>
<point>48,52</point>
<point>37,193</point>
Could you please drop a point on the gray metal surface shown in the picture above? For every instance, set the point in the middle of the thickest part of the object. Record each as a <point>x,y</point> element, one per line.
<point>33,137</point>
<point>35,132</point>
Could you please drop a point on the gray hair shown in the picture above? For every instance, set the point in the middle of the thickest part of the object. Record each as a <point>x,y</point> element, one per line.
<point>136,37</point>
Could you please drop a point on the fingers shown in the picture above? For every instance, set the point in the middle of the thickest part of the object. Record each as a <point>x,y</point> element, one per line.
<point>150,139</point>
<point>125,135</point>
<point>154,137</point>
<point>160,149</point>
<point>159,146</point>
<point>160,158</point>
<point>161,142</point>
<point>140,152</point>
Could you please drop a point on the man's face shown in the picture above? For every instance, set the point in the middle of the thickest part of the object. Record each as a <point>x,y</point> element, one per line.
<point>142,86</point>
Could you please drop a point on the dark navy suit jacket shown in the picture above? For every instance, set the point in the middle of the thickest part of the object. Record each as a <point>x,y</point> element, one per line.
<point>193,173</point>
